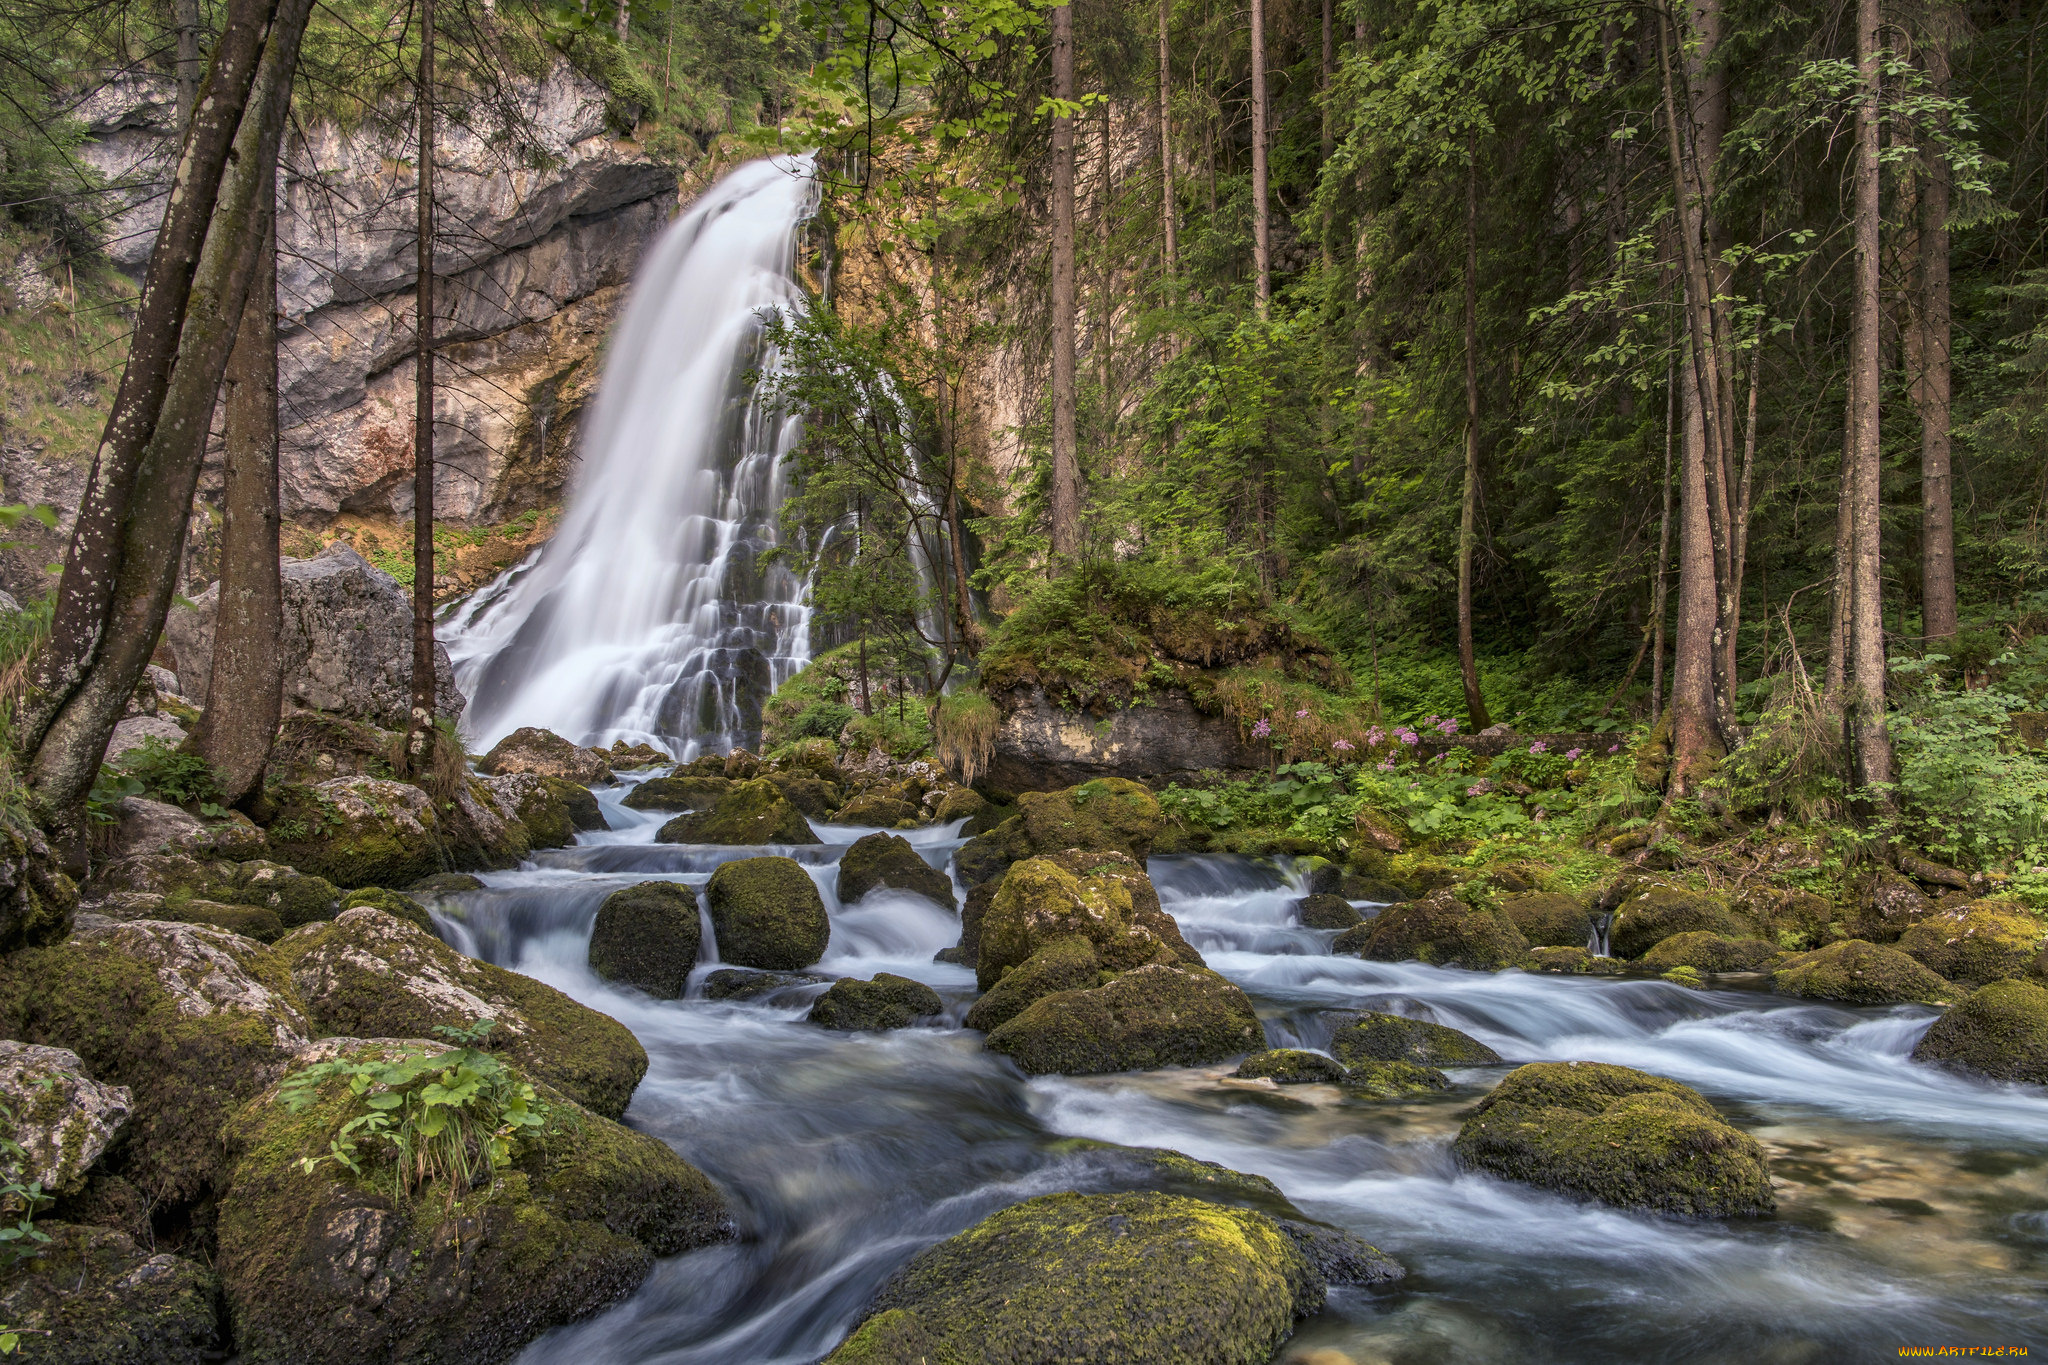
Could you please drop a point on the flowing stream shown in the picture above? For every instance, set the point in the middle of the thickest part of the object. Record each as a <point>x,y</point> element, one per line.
<point>1913,1205</point>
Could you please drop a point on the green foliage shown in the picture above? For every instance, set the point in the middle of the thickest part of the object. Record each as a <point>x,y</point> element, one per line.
<point>1967,791</point>
<point>21,1240</point>
<point>820,720</point>
<point>168,773</point>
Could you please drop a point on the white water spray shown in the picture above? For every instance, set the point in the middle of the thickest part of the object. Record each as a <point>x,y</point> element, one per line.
<point>647,618</point>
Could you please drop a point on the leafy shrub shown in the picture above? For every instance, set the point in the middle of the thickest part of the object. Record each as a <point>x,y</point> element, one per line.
<point>169,774</point>
<point>819,720</point>
<point>1967,791</point>
<point>21,1240</point>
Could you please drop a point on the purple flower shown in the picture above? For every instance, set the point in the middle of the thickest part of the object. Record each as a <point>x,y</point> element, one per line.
<point>1429,719</point>
<point>1387,766</point>
<point>1302,714</point>
<point>1408,737</point>
<point>1614,748</point>
<point>1262,729</point>
<point>1343,745</point>
<point>1374,735</point>
<point>1573,753</point>
<point>1539,746</point>
<point>1448,727</point>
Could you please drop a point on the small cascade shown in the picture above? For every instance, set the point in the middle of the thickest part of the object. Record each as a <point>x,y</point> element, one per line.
<point>648,617</point>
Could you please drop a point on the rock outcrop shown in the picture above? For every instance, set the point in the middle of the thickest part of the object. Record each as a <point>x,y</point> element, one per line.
<point>62,1118</point>
<point>648,936</point>
<point>2000,1031</point>
<point>1041,746</point>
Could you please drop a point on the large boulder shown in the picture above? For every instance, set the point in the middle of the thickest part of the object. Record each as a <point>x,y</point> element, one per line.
<point>1441,929</point>
<point>359,831</point>
<point>1976,943</point>
<point>1859,973</point>
<point>346,641</point>
<point>1151,1017</point>
<point>61,1118</point>
<point>677,793</point>
<point>880,808</point>
<point>330,1267</point>
<point>647,936</point>
<point>1146,912</point>
<point>1144,1278</point>
<point>145,827</point>
<point>1655,912</point>
<point>538,805</point>
<point>1369,1037</point>
<point>1620,1136</point>
<point>1065,964</point>
<point>1707,952</point>
<point>1999,1030</point>
<point>889,1001</point>
<point>1321,910</point>
<point>37,900</point>
<point>1548,919</point>
<point>1108,814</point>
<point>766,912</point>
<point>544,753</point>
<point>751,812</point>
<point>888,860</point>
<point>1290,1066</point>
<point>105,1301</point>
<point>1040,901</point>
<point>371,975</point>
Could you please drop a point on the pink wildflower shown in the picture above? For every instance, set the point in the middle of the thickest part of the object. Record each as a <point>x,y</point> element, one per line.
<point>1387,766</point>
<point>1262,729</point>
<point>1539,746</point>
<point>1374,735</point>
<point>1573,753</point>
<point>1342,745</point>
<point>1614,748</point>
<point>1448,727</point>
<point>1302,714</point>
<point>1408,737</point>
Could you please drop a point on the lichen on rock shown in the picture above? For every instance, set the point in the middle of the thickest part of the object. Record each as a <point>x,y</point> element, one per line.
<point>1999,1030</point>
<point>766,912</point>
<point>648,935</point>
<point>1859,973</point>
<point>61,1118</point>
<point>1154,1016</point>
<point>887,1002</point>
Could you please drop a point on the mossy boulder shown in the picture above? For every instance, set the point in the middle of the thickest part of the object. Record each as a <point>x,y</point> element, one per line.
<point>752,812</point>
<point>1040,901</point>
<point>624,757</point>
<point>677,793</point>
<point>1999,1030</point>
<point>538,805</point>
<point>1168,1280</point>
<point>1656,912</point>
<point>1976,943</point>
<point>1571,962</point>
<point>391,903</point>
<point>766,912</point>
<point>1548,919</point>
<point>1883,904</point>
<point>1154,1016</point>
<point>961,803</point>
<point>293,897</point>
<point>1619,1136</point>
<point>105,1301</point>
<point>1706,952</point>
<point>1321,910</point>
<point>889,1001</point>
<point>1290,1066</point>
<point>546,754</point>
<point>372,975</point>
<point>1065,964</point>
<point>193,1020</point>
<point>648,936</point>
<point>359,831</point>
<point>1859,973</point>
<point>878,860</point>
<point>885,809</point>
<point>445,884</point>
<point>1376,1080</point>
<point>59,1118</point>
<point>250,921</point>
<point>328,1268</point>
<point>1370,1037</point>
<point>37,900</point>
<point>812,795</point>
<point>1146,912</point>
<point>1108,814</point>
<point>743,983</point>
<point>1442,930</point>
<point>296,897</point>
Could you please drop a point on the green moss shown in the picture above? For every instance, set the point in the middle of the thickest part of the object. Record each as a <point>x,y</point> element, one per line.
<point>886,860</point>
<point>1040,901</point>
<point>1373,1037</point>
<point>103,1301</point>
<point>1706,952</point>
<point>1442,930</point>
<point>766,912</point>
<point>1290,1066</point>
<point>1999,1030</point>
<point>386,847</point>
<point>1106,815</point>
<point>882,808</point>
<point>677,793</point>
<point>1623,1137</point>
<point>752,812</point>
<point>582,808</point>
<point>887,1002</point>
<point>1548,919</point>
<point>1393,1080</point>
<point>446,883</point>
<point>1324,911</point>
<point>1984,941</point>
<point>1169,1280</point>
<point>1152,1017</point>
<point>648,936</point>
<point>297,897</point>
<point>1064,964</point>
<point>1860,973</point>
<point>391,903</point>
<point>1688,977</point>
<point>1571,961</point>
<point>1657,912</point>
<point>961,803</point>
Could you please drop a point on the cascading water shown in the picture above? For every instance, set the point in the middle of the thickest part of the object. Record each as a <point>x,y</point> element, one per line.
<point>647,617</point>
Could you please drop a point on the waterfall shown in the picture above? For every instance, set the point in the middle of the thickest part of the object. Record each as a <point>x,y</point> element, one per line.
<point>647,616</point>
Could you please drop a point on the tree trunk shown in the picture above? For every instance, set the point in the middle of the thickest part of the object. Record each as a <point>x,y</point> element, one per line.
<point>1835,684</point>
<point>1329,70</point>
<point>148,541</point>
<point>1066,461</point>
<point>186,15</point>
<point>624,19</point>
<point>1695,738</point>
<point>1166,213</point>
<point>1866,661</point>
<point>1262,227</point>
<point>1658,592</point>
<point>245,691</point>
<point>1468,511</point>
<point>1937,510</point>
<point>419,741</point>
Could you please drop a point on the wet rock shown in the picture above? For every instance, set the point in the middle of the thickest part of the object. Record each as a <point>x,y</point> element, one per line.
<point>624,757</point>
<point>648,936</point>
<point>1619,1136</point>
<point>1154,1016</point>
<point>1705,952</point>
<point>1040,901</point>
<point>678,793</point>
<point>478,829</point>
<point>328,1268</point>
<point>446,883</point>
<point>371,975</point>
<point>1548,919</point>
<point>1999,1031</point>
<point>1341,1258</point>
<point>1976,943</point>
<point>62,1119</point>
<point>391,903</point>
<point>961,803</point>
<point>37,900</point>
<point>537,804</point>
<point>766,912</point>
<point>1323,911</point>
<point>545,754</point>
<point>1290,1066</point>
<point>1065,964</point>
<point>1859,973</point>
<point>1146,912</point>
<point>1378,890</point>
<point>1319,876</point>
<point>1655,912</point>
<point>752,812</point>
<point>105,1301</point>
<point>1439,929</point>
<point>1393,1080</point>
<point>1109,814</point>
<point>878,808</point>
<point>889,1001</point>
<point>1170,1280</point>
<point>816,798</point>
<point>886,860</point>
<point>250,921</point>
<point>1571,962</point>
<point>359,831</point>
<point>732,983</point>
<point>1370,1037</point>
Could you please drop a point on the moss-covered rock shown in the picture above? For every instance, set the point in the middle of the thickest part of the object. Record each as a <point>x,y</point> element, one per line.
<point>1064,964</point>
<point>766,912</point>
<point>889,1001</point>
<point>961,803</point>
<point>294,897</point>
<point>1146,912</point>
<point>1705,952</point>
<point>1321,910</point>
<point>1377,1080</point>
<point>327,1268</point>
<point>1548,919</point>
<point>1107,815</point>
<point>1151,1017</point>
<point>1290,1066</point>
<point>1883,904</point>
<point>191,1019</point>
<point>105,1301</point>
<point>584,812</point>
<point>624,757</point>
<point>648,936</point>
<point>1369,1037</point>
<point>812,795</point>
<point>1976,943</point>
<point>359,831</point>
<point>1168,1280</point>
<point>1620,1136</point>
<point>1860,973</point>
<point>391,903</point>
<point>537,805</point>
<point>1040,901</point>
<point>889,860</point>
<point>59,1118</point>
<point>1999,1030</point>
<point>878,808</point>
<point>1571,962</point>
<point>445,884</point>
<point>37,900</point>
<point>250,921</point>
<point>546,754</point>
<point>1440,929</point>
<point>752,812</point>
<point>740,983</point>
<point>1655,912</point>
<point>677,793</point>
<point>372,975</point>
